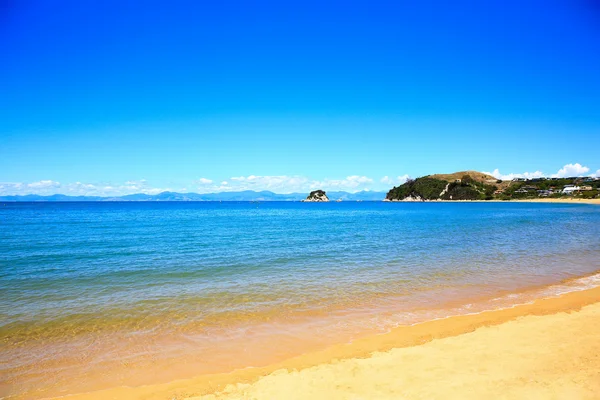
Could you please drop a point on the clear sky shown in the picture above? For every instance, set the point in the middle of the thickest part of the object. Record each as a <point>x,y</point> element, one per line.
<point>109,97</point>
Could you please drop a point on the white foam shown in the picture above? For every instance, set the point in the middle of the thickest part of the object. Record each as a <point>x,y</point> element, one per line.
<point>513,300</point>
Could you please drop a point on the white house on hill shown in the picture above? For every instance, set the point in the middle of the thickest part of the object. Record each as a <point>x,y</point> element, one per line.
<point>569,189</point>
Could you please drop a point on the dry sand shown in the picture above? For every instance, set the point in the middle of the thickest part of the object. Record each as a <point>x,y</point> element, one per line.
<point>546,350</point>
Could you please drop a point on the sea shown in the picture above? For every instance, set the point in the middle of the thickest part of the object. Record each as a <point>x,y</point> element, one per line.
<point>103,294</point>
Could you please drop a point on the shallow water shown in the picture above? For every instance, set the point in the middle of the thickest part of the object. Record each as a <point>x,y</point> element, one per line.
<point>105,294</point>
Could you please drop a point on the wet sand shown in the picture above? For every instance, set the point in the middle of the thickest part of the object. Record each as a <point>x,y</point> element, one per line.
<point>547,349</point>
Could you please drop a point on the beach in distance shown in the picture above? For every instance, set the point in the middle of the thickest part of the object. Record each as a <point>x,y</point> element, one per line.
<point>541,200</point>
<point>245,300</point>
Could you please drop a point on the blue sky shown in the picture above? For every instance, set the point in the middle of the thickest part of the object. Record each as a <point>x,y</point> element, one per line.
<point>107,97</point>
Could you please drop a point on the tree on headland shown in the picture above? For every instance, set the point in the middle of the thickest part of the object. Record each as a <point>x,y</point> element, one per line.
<point>466,180</point>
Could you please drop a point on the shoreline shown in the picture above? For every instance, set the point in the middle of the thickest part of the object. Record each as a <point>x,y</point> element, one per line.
<point>549,356</point>
<point>566,201</point>
<point>402,337</point>
<point>541,200</point>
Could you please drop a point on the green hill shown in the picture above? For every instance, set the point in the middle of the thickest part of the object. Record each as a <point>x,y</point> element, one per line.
<point>473,185</point>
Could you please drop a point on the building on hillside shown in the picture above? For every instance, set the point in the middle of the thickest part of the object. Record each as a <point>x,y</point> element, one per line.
<point>570,189</point>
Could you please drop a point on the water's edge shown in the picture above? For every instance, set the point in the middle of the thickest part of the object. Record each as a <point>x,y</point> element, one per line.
<point>583,291</point>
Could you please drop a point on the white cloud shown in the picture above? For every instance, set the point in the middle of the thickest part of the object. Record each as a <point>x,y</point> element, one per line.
<point>288,184</point>
<point>571,170</point>
<point>49,187</point>
<point>597,174</point>
<point>568,170</point>
<point>140,182</point>
<point>43,184</point>
<point>41,187</point>
<point>79,188</point>
<point>154,190</point>
<point>527,175</point>
<point>204,181</point>
<point>386,179</point>
<point>394,181</point>
<point>403,178</point>
<point>10,188</point>
<point>275,183</point>
<point>352,183</point>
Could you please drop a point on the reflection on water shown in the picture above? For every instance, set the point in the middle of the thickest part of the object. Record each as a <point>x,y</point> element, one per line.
<point>105,294</point>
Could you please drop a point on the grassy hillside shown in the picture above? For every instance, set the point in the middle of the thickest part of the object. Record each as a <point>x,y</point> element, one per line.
<point>475,175</point>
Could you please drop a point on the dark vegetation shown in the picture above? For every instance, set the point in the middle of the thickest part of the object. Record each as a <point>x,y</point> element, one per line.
<point>316,193</point>
<point>425,188</point>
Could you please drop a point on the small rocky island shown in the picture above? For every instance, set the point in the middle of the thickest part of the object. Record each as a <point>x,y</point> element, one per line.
<point>316,196</point>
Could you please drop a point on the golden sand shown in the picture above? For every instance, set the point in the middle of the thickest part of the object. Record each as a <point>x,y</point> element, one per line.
<point>549,349</point>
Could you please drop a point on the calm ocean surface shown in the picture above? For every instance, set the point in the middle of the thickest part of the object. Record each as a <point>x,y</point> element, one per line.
<point>105,294</point>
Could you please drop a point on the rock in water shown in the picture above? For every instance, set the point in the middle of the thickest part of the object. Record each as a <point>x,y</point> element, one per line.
<point>317,196</point>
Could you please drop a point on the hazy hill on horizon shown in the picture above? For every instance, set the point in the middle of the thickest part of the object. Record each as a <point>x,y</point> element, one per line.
<point>246,195</point>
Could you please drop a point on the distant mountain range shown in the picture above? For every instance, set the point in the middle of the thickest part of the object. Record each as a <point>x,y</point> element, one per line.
<point>247,195</point>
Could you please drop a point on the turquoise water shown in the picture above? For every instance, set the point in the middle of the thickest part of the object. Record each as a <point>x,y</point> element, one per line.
<point>177,281</point>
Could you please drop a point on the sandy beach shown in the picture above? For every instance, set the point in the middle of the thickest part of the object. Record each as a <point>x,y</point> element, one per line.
<point>562,200</point>
<point>551,357</point>
<point>548,349</point>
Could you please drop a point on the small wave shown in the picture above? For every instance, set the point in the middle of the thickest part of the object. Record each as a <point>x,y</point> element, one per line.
<point>508,301</point>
